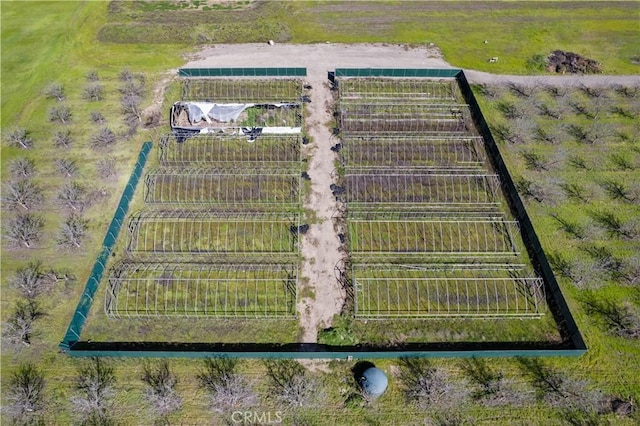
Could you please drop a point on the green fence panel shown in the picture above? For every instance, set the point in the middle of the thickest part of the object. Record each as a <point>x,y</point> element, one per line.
<point>242,72</point>
<point>86,299</point>
<point>397,72</point>
<point>555,299</point>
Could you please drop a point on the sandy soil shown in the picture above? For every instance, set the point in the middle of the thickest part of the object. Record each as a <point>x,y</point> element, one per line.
<point>320,246</point>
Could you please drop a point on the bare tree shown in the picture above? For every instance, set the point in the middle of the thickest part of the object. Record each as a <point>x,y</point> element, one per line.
<point>619,319</point>
<point>571,228</point>
<point>227,389</point>
<point>133,87</point>
<point>621,161</point>
<point>429,387</point>
<point>94,92</point>
<point>617,190</point>
<point>491,388</point>
<point>575,191</point>
<point>611,223</point>
<point>522,90</point>
<point>72,195</point>
<point>106,166</point>
<point>92,75</point>
<point>160,391</point>
<point>126,75</point>
<point>97,117</point>
<point>60,113</point>
<point>578,163</point>
<point>23,193</point>
<point>66,167</point>
<point>292,385</point>
<point>32,280</point>
<point>72,231</point>
<point>131,107</point>
<point>19,137</point>
<point>534,160</point>
<point>24,229</point>
<point>559,390</point>
<point>62,139</point>
<point>104,138</point>
<point>26,394</point>
<point>95,388</point>
<point>18,328</point>
<point>22,168</point>
<point>54,91</point>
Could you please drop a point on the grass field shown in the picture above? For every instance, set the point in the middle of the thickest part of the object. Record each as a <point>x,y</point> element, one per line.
<point>63,41</point>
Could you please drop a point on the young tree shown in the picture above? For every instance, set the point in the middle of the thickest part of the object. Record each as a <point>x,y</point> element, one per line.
<point>227,389</point>
<point>54,91</point>
<point>534,160</point>
<point>617,318</point>
<point>26,394</point>
<point>94,92</point>
<point>66,167</point>
<point>72,231</point>
<point>97,117</point>
<point>292,385</point>
<point>104,138</point>
<point>429,387</point>
<point>491,388</point>
<point>60,113</point>
<point>19,137</point>
<point>160,391</point>
<point>72,195</point>
<point>92,75</point>
<point>106,166</point>
<point>24,229</point>
<point>558,390</point>
<point>22,168</point>
<point>62,139</point>
<point>95,388</point>
<point>23,193</point>
<point>19,327</point>
<point>130,105</point>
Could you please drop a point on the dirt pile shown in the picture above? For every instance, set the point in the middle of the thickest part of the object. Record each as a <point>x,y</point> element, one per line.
<point>568,62</point>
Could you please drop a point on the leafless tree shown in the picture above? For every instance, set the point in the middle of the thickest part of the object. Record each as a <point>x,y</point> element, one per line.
<point>573,229</point>
<point>575,191</point>
<point>617,190</point>
<point>19,137</point>
<point>491,388</point>
<point>95,388</point>
<point>621,161</point>
<point>126,75</point>
<point>26,395</point>
<point>604,262</point>
<point>131,107</point>
<point>24,229</point>
<point>558,390</point>
<point>72,231</point>
<point>227,389</point>
<point>522,90</point>
<point>22,168</point>
<point>104,138</point>
<point>66,167</point>
<point>534,160</point>
<point>32,280</point>
<point>627,91</point>
<point>429,387</point>
<point>620,319</point>
<point>92,75</point>
<point>19,327</point>
<point>72,195</point>
<point>54,91</point>
<point>60,113</point>
<point>23,193</point>
<point>133,87</point>
<point>62,138</point>
<point>578,163</point>
<point>106,166</point>
<point>292,385</point>
<point>509,110</point>
<point>611,223</point>
<point>97,117</point>
<point>160,391</point>
<point>94,92</point>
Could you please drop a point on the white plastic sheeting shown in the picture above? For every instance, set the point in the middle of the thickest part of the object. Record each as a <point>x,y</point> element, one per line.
<point>207,111</point>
